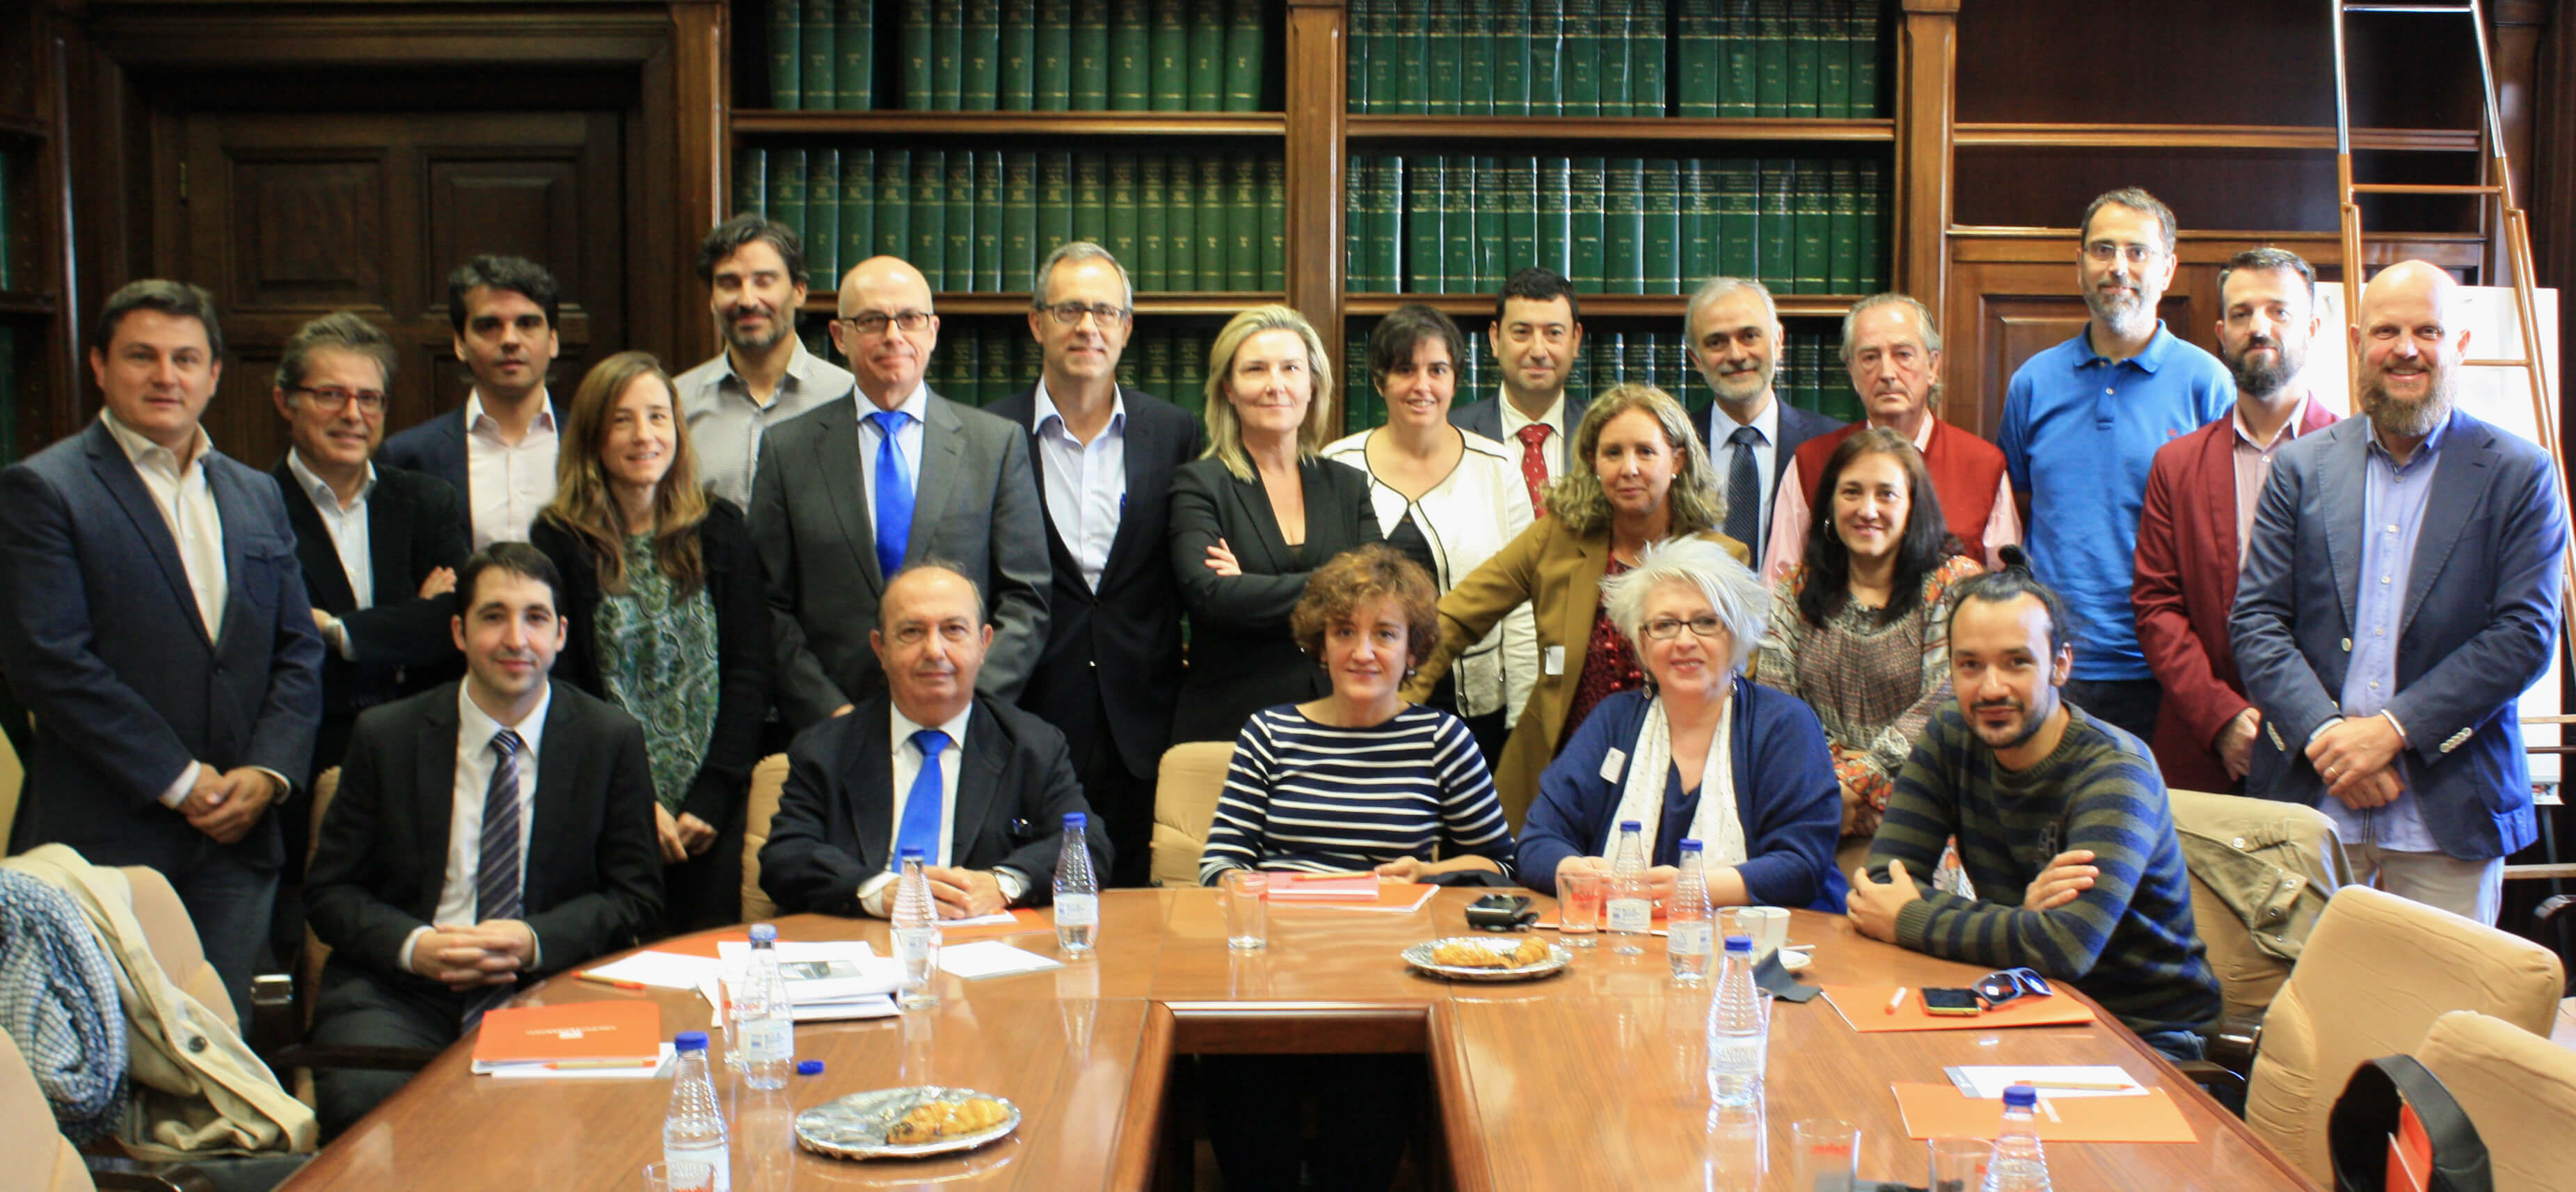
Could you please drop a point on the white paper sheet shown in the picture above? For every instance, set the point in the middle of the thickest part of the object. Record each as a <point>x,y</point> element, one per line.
<point>662,1068</point>
<point>992,958</point>
<point>666,970</point>
<point>1990,1081</point>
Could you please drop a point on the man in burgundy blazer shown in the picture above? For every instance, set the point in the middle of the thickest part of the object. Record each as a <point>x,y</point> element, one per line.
<point>2201,493</point>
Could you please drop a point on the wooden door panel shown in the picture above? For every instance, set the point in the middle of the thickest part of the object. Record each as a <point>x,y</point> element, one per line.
<point>307,231</point>
<point>521,208</point>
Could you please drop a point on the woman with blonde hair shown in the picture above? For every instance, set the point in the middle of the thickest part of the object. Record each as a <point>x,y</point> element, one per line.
<point>1254,517</point>
<point>1643,477</point>
<point>665,616</point>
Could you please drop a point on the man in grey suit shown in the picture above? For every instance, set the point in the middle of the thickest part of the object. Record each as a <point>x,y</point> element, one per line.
<point>845,494</point>
<point>1736,341</point>
<point>153,617</point>
<point>1537,335</point>
<point>2400,591</point>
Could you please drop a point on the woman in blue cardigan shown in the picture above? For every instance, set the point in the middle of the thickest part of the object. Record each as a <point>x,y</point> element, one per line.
<point>1699,728</point>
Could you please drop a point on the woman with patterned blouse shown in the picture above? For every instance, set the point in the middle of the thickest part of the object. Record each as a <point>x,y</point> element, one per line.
<point>1858,626</point>
<point>664,616</point>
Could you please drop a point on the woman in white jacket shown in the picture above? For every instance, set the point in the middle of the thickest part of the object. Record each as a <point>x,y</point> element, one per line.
<point>1448,499</point>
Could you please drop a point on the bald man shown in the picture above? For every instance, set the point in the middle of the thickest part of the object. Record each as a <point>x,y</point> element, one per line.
<point>2400,591</point>
<point>845,495</point>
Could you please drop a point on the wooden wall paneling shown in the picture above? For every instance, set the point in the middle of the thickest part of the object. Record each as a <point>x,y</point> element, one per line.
<point>1927,53</point>
<point>1316,104</point>
<point>689,82</point>
<point>2552,198</point>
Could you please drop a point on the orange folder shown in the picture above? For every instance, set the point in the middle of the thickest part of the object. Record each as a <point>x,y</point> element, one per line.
<point>1323,887</point>
<point>1865,1008</point>
<point>1391,898</point>
<point>626,1029</point>
<point>1938,1110</point>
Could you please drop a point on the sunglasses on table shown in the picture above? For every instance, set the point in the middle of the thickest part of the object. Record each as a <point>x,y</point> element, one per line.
<point>2003,986</point>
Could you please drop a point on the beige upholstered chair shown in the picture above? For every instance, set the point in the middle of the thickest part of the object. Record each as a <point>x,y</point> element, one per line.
<point>2261,872</point>
<point>40,1158</point>
<point>1185,798</point>
<point>12,776</point>
<point>2375,974</point>
<point>767,780</point>
<point>2519,1090</point>
<point>308,972</point>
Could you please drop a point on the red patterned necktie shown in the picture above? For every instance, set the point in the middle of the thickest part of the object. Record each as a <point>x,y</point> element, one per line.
<point>1534,464</point>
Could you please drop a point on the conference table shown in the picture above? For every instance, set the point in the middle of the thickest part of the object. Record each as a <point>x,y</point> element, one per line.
<point>1592,1078</point>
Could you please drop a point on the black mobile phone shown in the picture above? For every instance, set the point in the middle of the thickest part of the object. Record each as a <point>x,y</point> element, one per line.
<point>1500,912</point>
<point>1961,1002</point>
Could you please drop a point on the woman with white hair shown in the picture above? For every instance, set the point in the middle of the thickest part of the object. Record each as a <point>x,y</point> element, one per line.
<point>1701,752</point>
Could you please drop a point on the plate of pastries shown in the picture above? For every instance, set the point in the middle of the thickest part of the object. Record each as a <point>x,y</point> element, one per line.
<point>905,1123</point>
<point>1489,958</point>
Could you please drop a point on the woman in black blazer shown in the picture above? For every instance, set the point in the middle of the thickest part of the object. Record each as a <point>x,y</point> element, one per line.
<point>1253,517</point>
<point>664,615</point>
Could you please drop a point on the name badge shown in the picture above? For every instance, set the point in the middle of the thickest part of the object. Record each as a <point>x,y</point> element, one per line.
<point>1612,765</point>
<point>1553,662</point>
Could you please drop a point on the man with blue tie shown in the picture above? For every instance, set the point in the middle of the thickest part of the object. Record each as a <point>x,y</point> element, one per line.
<point>1735,338</point>
<point>846,494</point>
<point>979,786</point>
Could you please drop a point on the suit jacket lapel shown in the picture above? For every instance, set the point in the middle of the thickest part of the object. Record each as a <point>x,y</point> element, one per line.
<point>1142,448</point>
<point>550,810</point>
<point>2341,484</point>
<point>326,581</point>
<point>979,784</point>
<point>1272,543</point>
<point>389,545</point>
<point>2215,503</point>
<point>2460,477</point>
<point>116,473</point>
<point>868,776</point>
<point>836,464</point>
<point>943,461</point>
<point>434,786</point>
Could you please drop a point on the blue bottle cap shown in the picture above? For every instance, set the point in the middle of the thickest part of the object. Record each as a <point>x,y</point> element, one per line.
<point>2020,1096</point>
<point>1632,826</point>
<point>809,1067</point>
<point>764,933</point>
<point>1074,820</point>
<point>1689,845</point>
<point>690,1041</point>
<point>1740,943</point>
<point>914,854</point>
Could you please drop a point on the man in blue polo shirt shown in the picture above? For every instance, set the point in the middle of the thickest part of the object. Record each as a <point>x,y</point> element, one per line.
<point>2082,422</point>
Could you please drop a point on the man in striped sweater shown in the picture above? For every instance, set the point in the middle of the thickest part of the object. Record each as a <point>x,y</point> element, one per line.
<point>2047,803</point>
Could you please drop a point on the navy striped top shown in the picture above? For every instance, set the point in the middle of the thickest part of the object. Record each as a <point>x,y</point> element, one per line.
<point>1304,796</point>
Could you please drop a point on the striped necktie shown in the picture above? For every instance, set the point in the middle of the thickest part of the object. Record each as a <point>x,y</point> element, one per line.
<point>496,881</point>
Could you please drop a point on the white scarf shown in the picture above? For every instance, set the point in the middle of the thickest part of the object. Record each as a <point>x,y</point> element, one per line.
<point>1714,823</point>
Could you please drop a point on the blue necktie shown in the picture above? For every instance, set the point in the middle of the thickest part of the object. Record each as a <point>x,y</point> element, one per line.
<point>921,809</point>
<point>1744,492</point>
<point>894,497</point>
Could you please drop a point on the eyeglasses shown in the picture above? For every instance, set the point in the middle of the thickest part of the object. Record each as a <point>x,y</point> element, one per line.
<point>1664,629</point>
<point>1070,313</point>
<point>2104,252</point>
<point>2000,987</point>
<point>874,322</point>
<point>333,399</point>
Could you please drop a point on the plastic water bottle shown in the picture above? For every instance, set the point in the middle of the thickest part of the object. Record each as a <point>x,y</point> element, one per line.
<point>1631,905</point>
<point>1688,931</point>
<point>695,1128</point>
<point>1077,891</point>
<point>916,934</point>
<point>766,1013</point>
<point>2018,1165</point>
<point>1739,1029</point>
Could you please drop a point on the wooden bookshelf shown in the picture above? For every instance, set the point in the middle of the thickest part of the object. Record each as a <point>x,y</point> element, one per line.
<point>1026,125</point>
<point>38,388</point>
<point>1636,129</point>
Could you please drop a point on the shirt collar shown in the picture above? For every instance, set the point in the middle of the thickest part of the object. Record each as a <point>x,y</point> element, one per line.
<point>139,449</point>
<point>1047,413</point>
<point>800,370</point>
<point>2149,358</point>
<point>2423,451</point>
<point>544,421</point>
<point>2289,430</point>
<point>1767,422</point>
<point>916,404</point>
<point>475,728</point>
<point>903,727</point>
<point>1513,419</point>
<point>1923,433</point>
<point>320,489</point>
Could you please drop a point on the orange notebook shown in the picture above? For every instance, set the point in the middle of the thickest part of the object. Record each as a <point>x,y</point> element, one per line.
<point>1323,887</point>
<point>627,1029</point>
<point>1865,1008</point>
<point>1937,1110</point>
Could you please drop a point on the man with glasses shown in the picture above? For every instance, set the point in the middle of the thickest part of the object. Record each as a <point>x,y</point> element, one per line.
<point>1105,455</point>
<point>1536,336</point>
<point>755,274</point>
<point>2082,423</point>
<point>845,495</point>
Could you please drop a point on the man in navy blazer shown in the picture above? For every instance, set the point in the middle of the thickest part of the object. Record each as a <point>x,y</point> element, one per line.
<point>1536,335</point>
<point>153,618</point>
<point>497,451</point>
<point>1104,455</point>
<point>2400,591</point>
<point>1735,340</point>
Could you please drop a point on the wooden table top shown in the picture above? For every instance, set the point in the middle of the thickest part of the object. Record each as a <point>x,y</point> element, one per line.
<point>1592,1078</point>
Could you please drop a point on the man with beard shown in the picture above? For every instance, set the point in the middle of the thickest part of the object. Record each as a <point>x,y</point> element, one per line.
<point>2201,494</point>
<point>754,269</point>
<point>2016,772</point>
<point>2082,422</point>
<point>1735,340</point>
<point>2400,592</point>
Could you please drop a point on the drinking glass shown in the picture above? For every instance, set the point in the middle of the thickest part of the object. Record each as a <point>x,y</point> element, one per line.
<point>1824,1154</point>
<point>1959,1164</point>
<point>687,1175</point>
<point>1578,907</point>
<point>1247,909</point>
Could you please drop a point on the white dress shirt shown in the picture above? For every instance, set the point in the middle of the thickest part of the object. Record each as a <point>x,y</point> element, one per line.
<point>508,484</point>
<point>188,509</point>
<point>348,530</point>
<point>474,761</point>
<point>1086,483</point>
<point>876,893</point>
<point>1791,515</point>
<point>907,446</point>
<point>1558,447</point>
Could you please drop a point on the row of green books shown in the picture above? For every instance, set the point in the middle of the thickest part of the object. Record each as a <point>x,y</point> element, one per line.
<point>1022,55</point>
<point>1810,376</point>
<point>1621,225</point>
<point>12,390</point>
<point>981,360</point>
<point>1696,58</point>
<point>979,220</point>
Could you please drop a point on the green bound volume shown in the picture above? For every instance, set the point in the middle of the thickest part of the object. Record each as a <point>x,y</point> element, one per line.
<point>1842,235</point>
<point>1458,224</point>
<point>1695,51</point>
<point>1476,62</point>
<point>823,219</point>
<point>1547,59</point>
<point>1804,57</point>
<point>1019,64</point>
<point>1863,28</point>
<point>1090,55</point>
<point>1868,232</point>
<point>854,83</point>
<point>787,188</point>
<point>930,217</point>
<point>750,182</point>
<point>1663,237</point>
<point>996,378</point>
<point>1607,358</point>
<point>1216,224</point>
<point>1699,222</point>
<point>1833,60</point>
<point>1386,58</point>
<point>989,208</point>
<point>912,38</point>
<point>963,268</point>
<point>1355,265</point>
<point>1181,226</point>
<point>1647,95</point>
<point>981,90</point>
<point>1425,204</point>
<point>1359,20</point>
<point>1770,58</point>
<point>1520,214</point>
<point>1739,220</point>
<point>1153,267</point>
<point>1637,357</point>
<point>1122,220</point>
<point>1054,53</point>
<point>1130,365</point>
<point>818,46</point>
<point>1578,59</point>
<point>1055,202</point>
<point>1490,226</point>
<point>961,376</point>
<point>1623,226</point>
<point>1169,53</point>
<point>1778,227</point>
<point>1812,191</point>
<point>1556,215</point>
<point>894,202</point>
<point>1584,194</point>
<point>948,57</point>
<point>1157,347</point>
<point>1738,60</point>
<point>1244,56</point>
<point>1355,382</point>
<point>1189,370</point>
<point>1131,56</point>
<point>1508,21</point>
<point>1385,229</point>
<point>1020,250</point>
<point>1207,55</point>
<point>1243,223</point>
<point>1611,61</point>
<point>1091,198</point>
<point>1274,224</point>
<point>786,54</point>
<point>1446,58</point>
<point>1409,36</point>
<point>858,209</point>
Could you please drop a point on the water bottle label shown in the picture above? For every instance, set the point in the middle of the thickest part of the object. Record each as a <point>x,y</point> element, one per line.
<point>1631,916</point>
<point>718,1158</point>
<point>768,1040</point>
<point>1077,910</point>
<point>1690,938</point>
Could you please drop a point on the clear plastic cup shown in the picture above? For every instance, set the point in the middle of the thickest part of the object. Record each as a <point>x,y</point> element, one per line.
<point>1247,909</point>
<point>1959,1164</point>
<point>1578,907</point>
<point>687,1175</point>
<point>1824,1155</point>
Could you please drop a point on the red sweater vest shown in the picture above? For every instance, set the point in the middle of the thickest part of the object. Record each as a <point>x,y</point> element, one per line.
<point>1966,473</point>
